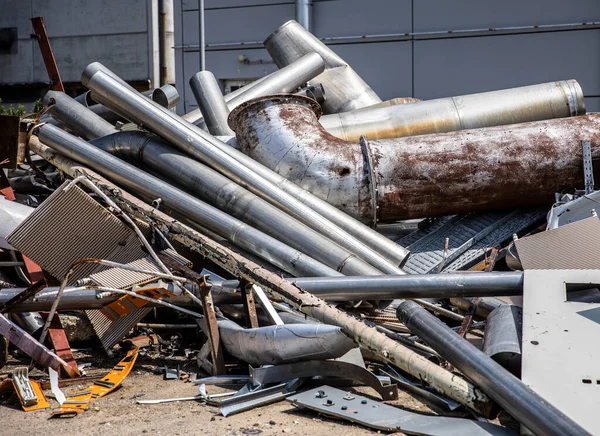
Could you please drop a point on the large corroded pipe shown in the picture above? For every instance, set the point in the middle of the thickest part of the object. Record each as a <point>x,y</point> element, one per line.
<point>430,175</point>
<point>507,106</point>
<point>346,90</point>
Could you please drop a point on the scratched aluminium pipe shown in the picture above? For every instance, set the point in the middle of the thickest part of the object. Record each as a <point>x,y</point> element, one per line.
<point>346,90</point>
<point>413,286</point>
<point>519,165</point>
<point>284,80</point>
<point>150,187</point>
<point>228,161</point>
<point>507,106</point>
<point>527,407</point>
<point>211,103</point>
<point>214,188</point>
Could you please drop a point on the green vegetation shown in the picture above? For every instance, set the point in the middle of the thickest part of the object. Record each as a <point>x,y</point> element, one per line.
<point>20,109</point>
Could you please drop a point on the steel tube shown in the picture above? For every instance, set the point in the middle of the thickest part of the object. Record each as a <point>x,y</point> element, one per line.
<point>304,13</point>
<point>346,90</point>
<point>211,103</point>
<point>507,106</point>
<point>69,112</point>
<point>284,80</point>
<point>130,177</point>
<point>509,392</point>
<point>219,191</point>
<point>413,286</point>
<point>520,165</point>
<point>228,161</point>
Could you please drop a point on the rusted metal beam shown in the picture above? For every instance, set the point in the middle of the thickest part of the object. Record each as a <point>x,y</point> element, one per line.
<point>47,55</point>
<point>388,349</point>
<point>59,340</point>
<point>249,304</point>
<point>208,308</point>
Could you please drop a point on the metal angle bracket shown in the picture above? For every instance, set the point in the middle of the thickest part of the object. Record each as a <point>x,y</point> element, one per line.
<point>588,167</point>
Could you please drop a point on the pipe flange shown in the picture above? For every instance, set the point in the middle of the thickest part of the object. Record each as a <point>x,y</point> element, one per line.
<point>238,114</point>
<point>368,159</point>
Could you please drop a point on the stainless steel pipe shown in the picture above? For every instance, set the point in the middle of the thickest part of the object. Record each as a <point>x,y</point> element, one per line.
<point>228,161</point>
<point>284,80</point>
<point>69,112</point>
<point>346,90</point>
<point>211,103</point>
<point>219,191</point>
<point>509,392</point>
<point>507,106</point>
<point>132,178</point>
<point>520,165</point>
<point>413,286</point>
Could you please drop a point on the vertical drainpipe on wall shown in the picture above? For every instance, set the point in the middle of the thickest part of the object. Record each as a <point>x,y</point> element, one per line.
<point>167,43</point>
<point>304,13</point>
<point>201,36</point>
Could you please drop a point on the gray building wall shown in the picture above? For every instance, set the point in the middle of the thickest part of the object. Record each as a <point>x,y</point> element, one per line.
<point>121,35</point>
<point>389,43</point>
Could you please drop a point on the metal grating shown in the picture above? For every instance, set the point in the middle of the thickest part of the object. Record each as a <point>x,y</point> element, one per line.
<point>468,236</point>
<point>110,332</point>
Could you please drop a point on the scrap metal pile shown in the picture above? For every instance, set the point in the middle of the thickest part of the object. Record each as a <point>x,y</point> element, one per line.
<point>322,237</point>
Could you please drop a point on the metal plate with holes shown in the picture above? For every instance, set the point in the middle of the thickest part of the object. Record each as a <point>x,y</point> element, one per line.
<point>560,342</point>
<point>374,414</point>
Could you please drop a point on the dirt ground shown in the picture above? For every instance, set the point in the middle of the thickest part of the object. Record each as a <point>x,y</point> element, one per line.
<point>118,414</point>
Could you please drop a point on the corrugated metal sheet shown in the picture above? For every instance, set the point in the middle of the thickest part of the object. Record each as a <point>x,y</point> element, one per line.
<point>110,332</point>
<point>68,226</point>
<point>572,246</point>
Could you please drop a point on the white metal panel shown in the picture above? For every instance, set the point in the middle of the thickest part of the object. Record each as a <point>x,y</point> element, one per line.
<point>92,17</point>
<point>436,15</point>
<point>359,17</point>
<point>466,65</point>
<point>560,344</point>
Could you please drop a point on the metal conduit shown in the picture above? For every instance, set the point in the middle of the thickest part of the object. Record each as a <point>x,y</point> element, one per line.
<point>228,161</point>
<point>419,176</point>
<point>211,103</point>
<point>507,106</point>
<point>132,178</point>
<point>214,188</point>
<point>346,90</point>
<point>531,410</point>
<point>284,80</point>
<point>413,286</point>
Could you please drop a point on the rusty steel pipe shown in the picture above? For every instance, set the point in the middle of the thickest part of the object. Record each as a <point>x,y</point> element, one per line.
<point>419,176</point>
<point>507,106</point>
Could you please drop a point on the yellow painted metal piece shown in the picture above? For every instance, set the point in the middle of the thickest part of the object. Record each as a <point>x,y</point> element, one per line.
<point>80,400</point>
<point>127,304</point>
<point>7,387</point>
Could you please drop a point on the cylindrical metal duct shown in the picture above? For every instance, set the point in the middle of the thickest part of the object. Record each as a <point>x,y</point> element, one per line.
<point>413,286</point>
<point>31,322</point>
<point>166,96</point>
<point>346,91</point>
<point>69,112</point>
<point>304,13</point>
<point>495,108</point>
<point>502,338</point>
<point>509,392</point>
<point>228,161</point>
<point>284,80</point>
<point>211,103</point>
<point>219,191</point>
<point>11,215</point>
<point>274,345</point>
<point>130,177</point>
<point>420,176</point>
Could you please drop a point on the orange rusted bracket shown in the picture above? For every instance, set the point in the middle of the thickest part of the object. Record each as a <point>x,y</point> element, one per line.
<point>35,400</point>
<point>249,304</point>
<point>210,317</point>
<point>127,304</point>
<point>47,55</point>
<point>80,400</point>
<point>59,340</point>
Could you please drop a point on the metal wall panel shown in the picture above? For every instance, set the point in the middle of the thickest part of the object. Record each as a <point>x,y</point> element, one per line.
<point>436,15</point>
<point>16,68</point>
<point>75,17</point>
<point>359,17</point>
<point>385,66</point>
<point>126,55</point>
<point>16,14</point>
<point>592,104</point>
<point>456,66</point>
